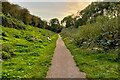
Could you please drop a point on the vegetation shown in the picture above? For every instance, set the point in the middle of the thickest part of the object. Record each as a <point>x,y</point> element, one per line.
<point>22,14</point>
<point>102,35</point>
<point>68,21</point>
<point>55,25</point>
<point>94,63</point>
<point>93,39</point>
<point>91,12</point>
<point>26,53</point>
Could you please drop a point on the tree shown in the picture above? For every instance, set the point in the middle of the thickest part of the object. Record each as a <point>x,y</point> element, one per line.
<point>15,11</point>
<point>6,7</point>
<point>68,21</point>
<point>25,16</point>
<point>55,25</point>
<point>79,22</point>
<point>45,24</point>
<point>34,21</point>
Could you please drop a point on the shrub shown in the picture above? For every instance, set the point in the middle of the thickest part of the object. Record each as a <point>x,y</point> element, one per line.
<point>7,51</point>
<point>4,34</point>
<point>5,55</point>
<point>102,34</point>
<point>12,23</point>
<point>29,38</point>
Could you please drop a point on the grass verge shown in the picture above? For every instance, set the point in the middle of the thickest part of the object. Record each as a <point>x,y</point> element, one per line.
<point>93,63</point>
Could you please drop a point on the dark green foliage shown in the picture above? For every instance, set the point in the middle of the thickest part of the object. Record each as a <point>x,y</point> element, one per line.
<point>29,38</point>
<point>79,22</point>
<point>95,43</point>
<point>97,26</point>
<point>55,25</point>
<point>91,12</point>
<point>68,21</point>
<point>102,34</point>
<point>5,55</point>
<point>26,17</point>
<point>20,13</point>
<point>4,34</point>
<point>7,51</point>
<point>23,15</point>
<point>96,9</point>
<point>12,23</point>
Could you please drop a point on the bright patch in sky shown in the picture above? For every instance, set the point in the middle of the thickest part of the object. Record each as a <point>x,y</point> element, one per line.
<point>53,0</point>
<point>49,10</point>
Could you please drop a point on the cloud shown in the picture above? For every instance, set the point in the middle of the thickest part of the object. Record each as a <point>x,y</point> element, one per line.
<point>74,7</point>
<point>49,10</point>
<point>55,0</point>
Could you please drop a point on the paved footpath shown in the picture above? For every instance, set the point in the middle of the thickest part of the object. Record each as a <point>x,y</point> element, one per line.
<point>63,65</point>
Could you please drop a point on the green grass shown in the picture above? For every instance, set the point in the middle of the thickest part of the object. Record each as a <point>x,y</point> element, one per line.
<point>93,63</point>
<point>27,52</point>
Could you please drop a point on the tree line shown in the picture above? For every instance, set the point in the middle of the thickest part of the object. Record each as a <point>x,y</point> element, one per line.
<point>22,14</point>
<point>95,26</point>
<point>91,12</point>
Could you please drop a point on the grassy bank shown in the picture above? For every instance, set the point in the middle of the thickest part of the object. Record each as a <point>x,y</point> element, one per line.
<point>95,64</point>
<point>26,53</point>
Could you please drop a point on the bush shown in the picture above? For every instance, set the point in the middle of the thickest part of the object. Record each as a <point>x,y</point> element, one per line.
<point>4,34</point>
<point>7,51</point>
<point>102,34</point>
<point>12,23</point>
<point>29,38</point>
<point>5,55</point>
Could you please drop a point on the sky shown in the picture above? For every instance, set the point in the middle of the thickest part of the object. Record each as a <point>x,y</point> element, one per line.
<point>49,10</point>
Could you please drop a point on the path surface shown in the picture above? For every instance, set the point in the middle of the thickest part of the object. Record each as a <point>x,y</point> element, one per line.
<point>63,65</point>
